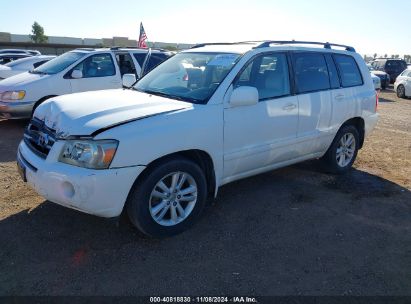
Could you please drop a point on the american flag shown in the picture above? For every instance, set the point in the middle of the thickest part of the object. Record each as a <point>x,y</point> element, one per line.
<point>142,38</point>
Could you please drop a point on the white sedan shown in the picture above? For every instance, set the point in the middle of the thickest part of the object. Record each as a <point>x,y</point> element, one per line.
<point>23,65</point>
<point>403,84</point>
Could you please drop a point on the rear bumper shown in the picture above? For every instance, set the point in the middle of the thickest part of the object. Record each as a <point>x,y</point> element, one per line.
<point>98,192</point>
<point>370,123</point>
<point>16,109</point>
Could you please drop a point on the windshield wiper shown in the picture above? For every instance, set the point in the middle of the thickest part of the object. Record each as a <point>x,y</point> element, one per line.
<point>171,96</point>
<point>38,72</point>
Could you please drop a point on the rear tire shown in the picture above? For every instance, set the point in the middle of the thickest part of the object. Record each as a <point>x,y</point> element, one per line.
<point>161,204</point>
<point>343,150</point>
<point>401,91</point>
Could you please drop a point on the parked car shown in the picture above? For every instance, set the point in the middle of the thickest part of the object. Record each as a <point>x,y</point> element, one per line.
<point>403,84</point>
<point>383,80</point>
<point>20,51</point>
<point>160,151</point>
<point>76,71</point>
<point>7,57</point>
<point>392,67</point>
<point>23,65</point>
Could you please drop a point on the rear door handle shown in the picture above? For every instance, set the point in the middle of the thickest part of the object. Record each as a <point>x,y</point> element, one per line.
<point>339,97</point>
<point>289,107</point>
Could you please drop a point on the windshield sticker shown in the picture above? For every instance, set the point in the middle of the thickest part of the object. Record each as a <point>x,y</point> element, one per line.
<point>223,60</point>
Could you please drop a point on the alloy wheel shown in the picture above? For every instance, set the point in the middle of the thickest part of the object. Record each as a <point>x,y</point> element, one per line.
<point>173,198</point>
<point>345,150</point>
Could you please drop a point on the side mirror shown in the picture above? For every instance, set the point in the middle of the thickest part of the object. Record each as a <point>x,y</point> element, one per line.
<point>244,96</point>
<point>77,74</point>
<point>129,80</point>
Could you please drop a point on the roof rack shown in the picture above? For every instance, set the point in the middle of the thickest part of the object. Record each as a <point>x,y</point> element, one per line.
<point>327,45</point>
<point>86,49</point>
<point>114,48</point>
<point>221,43</point>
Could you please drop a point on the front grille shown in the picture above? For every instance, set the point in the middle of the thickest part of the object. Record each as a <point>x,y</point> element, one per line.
<point>39,138</point>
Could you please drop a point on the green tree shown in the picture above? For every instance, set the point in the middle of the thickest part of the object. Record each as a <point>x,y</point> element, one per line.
<point>38,33</point>
<point>385,56</point>
<point>375,55</point>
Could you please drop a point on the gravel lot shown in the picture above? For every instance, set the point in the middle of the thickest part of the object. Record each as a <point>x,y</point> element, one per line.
<point>288,232</point>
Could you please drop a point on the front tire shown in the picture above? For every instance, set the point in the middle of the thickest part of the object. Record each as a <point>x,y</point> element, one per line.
<point>401,91</point>
<point>343,150</point>
<point>168,199</point>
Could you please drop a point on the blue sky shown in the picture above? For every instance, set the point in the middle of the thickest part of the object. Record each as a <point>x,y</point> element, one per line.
<point>369,25</point>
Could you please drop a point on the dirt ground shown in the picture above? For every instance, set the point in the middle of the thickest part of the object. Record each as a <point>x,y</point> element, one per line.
<point>293,231</point>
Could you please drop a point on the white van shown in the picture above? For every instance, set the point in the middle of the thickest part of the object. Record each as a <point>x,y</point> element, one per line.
<point>161,148</point>
<point>76,71</point>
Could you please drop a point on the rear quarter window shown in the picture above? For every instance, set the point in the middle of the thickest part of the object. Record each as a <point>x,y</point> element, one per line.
<point>349,72</point>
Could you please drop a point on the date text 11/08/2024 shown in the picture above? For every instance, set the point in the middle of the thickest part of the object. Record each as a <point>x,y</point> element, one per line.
<point>203,300</point>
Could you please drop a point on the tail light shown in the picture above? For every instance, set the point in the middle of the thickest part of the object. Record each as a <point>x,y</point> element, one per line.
<point>377,93</point>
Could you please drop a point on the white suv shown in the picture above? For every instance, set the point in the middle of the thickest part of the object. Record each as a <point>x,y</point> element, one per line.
<point>219,113</point>
<point>75,71</point>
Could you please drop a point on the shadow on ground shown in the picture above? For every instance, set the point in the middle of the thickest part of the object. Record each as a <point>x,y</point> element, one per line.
<point>288,232</point>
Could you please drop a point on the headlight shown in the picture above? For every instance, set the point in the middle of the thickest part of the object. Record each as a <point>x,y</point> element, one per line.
<point>92,154</point>
<point>13,95</point>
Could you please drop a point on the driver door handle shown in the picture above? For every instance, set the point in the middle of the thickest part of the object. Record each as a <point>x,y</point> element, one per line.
<point>289,107</point>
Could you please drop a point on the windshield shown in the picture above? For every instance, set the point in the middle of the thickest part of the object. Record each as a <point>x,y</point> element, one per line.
<point>191,77</point>
<point>59,63</point>
<point>19,61</point>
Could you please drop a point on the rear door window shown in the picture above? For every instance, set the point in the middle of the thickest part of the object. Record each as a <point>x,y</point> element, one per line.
<point>125,63</point>
<point>310,72</point>
<point>349,71</point>
<point>332,72</point>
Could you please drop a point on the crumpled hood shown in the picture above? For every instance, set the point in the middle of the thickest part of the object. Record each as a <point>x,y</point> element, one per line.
<point>88,112</point>
<point>22,79</point>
